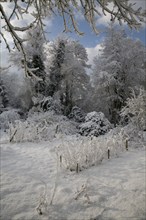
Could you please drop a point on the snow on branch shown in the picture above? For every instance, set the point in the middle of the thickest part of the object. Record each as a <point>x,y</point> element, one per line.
<point>17,40</point>
<point>135,108</point>
<point>121,10</point>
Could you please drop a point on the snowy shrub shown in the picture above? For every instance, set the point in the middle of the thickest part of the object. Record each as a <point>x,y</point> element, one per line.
<point>95,124</point>
<point>7,117</point>
<point>23,131</point>
<point>3,97</point>
<point>42,126</point>
<point>47,104</point>
<point>77,114</point>
<point>135,136</point>
<point>83,152</point>
<point>135,109</point>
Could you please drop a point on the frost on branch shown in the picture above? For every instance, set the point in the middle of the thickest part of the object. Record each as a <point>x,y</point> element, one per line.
<point>95,124</point>
<point>135,109</point>
<point>119,10</point>
<point>46,104</point>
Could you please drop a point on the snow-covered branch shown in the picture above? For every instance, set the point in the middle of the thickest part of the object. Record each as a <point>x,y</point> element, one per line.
<point>121,10</point>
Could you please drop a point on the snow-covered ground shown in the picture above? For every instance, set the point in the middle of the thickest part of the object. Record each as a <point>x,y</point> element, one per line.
<point>33,183</point>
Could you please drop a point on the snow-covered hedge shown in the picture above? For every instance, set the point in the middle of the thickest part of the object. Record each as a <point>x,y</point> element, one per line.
<point>95,124</point>
<point>7,117</point>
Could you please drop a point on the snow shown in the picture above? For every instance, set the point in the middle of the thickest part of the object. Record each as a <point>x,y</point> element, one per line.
<point>95,124</point>
<point>31,176</point>
<point>41,126</point>
<point>8,117</point>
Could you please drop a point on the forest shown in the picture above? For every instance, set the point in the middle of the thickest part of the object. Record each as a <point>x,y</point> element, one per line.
<point>106,97</point>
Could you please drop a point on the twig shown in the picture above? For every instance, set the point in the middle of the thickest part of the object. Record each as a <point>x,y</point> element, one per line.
<point>13,135</point>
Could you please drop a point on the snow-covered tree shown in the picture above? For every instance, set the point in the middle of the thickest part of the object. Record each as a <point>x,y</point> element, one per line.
<point>76,81</point>
<point>135,109</point>
<point>35,58</point>
<point>121,10</point>
<point>120,67</point>
<point>55,58</point>
<point>95,124</point>
<point>35,53</point>
<point>18,88</point>
<point>3,96</point>
<point>66,63</point>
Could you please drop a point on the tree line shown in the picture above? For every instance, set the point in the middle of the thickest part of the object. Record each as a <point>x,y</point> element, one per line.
<point>61,79</point>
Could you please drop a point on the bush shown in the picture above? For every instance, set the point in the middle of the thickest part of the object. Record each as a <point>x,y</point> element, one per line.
<point>135,109</point>
<point>47,104</point>
<point>7,117</point>
<point>95,124</point>
<point>77,114</point>
<point>3,97</point>
<point>42,126</point>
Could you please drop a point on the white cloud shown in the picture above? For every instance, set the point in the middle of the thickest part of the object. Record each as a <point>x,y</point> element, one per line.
<point>92,52</point>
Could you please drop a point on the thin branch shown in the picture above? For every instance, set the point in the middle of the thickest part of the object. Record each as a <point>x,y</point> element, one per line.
<point>14,9</point>
<point>24,28</point>
<point>7,45</point>
<point>122,10</point>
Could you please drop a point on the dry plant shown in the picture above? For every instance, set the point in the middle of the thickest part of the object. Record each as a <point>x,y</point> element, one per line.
<point>82,193</point>
<point>79,154</point>
<point>43,203</point>
<point>56,183</point>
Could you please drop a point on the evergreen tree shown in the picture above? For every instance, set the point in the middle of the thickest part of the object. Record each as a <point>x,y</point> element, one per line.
<point>66,98</point>
<point>34,49</point>
<point>55,69</point>
<point>40,86</point>
<point>75,80</point>
<point>66,63</point>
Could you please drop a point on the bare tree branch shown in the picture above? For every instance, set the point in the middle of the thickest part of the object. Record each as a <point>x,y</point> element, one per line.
<point>5,40</point>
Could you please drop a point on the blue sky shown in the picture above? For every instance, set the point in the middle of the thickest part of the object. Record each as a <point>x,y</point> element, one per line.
<point>90,39</point>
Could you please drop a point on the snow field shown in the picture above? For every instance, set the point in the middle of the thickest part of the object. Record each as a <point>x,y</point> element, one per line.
<point>33,181</point>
